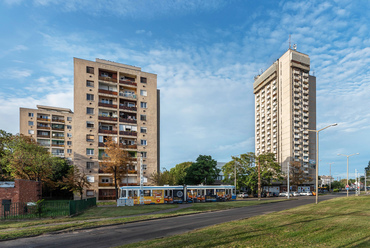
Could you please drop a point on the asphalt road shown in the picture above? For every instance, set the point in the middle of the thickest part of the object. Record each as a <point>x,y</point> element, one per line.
<point>151,229</point>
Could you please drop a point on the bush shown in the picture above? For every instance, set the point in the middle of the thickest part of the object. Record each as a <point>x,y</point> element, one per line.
<point>335,190</point>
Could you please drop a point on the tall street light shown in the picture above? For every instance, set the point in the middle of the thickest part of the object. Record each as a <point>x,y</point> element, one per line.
<point>317,157</point>
<point>330,175</point>
<point>339,154</point>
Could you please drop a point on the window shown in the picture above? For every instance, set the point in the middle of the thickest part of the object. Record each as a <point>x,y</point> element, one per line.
<point>90,111</point>
<point>143,117</point>
<point>69,150</point>
<point>89,69</point>
<point>30,114</point>
<point>90,97</point>
<point>143,130</point>
<point>30,123</point>
<point>69,118</point>
<point>143,105</point>
<point>89,137</point>
<point>143,93</point>
<point>90,83</point>
<point>143,154</point>
<point>90,179</point>
<point>89,165</point>
<point>89,151</point>
<point>143,80</point>
<point>144,166</point>
<point>90,124</point>
<point>69,143</point>
<point>143,142</point>
<point>69,127</point>
<point>69,135</point>
<point>89,192</point>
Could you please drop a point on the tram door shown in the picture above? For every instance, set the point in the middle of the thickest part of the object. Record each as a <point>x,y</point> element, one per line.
<point>168,196</point>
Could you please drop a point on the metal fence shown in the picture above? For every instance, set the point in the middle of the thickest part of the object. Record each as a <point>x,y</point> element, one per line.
<point>20,210</point>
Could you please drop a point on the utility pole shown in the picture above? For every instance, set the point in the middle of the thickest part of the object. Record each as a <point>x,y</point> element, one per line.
<point>365,182</point>
<point>356,182</point>
<point>330,175</point>
<point>259,180</point>
<point>235,176</point>
<point>288,188</point>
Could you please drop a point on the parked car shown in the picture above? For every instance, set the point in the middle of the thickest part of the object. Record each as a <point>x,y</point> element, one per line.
<point>285,194</point>
<point>242,195</point>
<point>295,193</point>
<point>263,194</point>
<point>310,193</point>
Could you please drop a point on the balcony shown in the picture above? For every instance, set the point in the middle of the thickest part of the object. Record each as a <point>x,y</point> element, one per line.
<point>57,137</point>
<point>127,95</point>
<point>109,92</point>
<point>58,154</point>
<point>107,105</point>
<point>127,120</point>
<point>58,145</point>
<point>109,79</point>
<point>129,133</point>
<point>43,136</point>
<point>107,131</point>
<point>107,118</point>
<point>57,120</point>
<point>58,128</point>
<point>128,82</point>
<point>121,106</point>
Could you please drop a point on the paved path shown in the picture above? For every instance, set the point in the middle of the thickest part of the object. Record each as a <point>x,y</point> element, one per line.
<point>145,230</point>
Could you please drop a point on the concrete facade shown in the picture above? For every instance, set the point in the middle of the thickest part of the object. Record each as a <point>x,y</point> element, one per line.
<point>285,108</point>
<point>51,127</point>
<point>121,102</point>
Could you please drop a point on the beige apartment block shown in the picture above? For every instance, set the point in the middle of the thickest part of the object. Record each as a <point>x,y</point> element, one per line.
<point>285,109</point>
<point>51,127</point>
<point>121,102</point>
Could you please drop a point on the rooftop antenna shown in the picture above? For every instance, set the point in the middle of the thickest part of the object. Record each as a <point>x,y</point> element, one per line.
<point>295,47</point>
<point>290,42</point>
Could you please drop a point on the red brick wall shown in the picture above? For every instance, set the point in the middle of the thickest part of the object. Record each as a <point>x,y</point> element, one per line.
<point>23,191</point>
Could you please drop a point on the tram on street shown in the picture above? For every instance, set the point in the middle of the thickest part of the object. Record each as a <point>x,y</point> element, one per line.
<point>178,193</point>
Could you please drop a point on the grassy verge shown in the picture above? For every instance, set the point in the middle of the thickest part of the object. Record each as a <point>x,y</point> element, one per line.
<point>95,217</point>
<point>340,222</point>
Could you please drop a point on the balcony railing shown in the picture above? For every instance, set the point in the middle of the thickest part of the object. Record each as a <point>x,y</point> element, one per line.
<point>107,118</point>
<point>130,133</point>
<point>57,137</point>
<point>127,108</point>
<point>108,92</point>
<point>58,145</point>
<point>42,127</point>
<point>109,79</point>
<point>58,128</point>
<point>101,144</point>
<point>108,105</point>
<point>42,119</point>
<point>108,131</point>
<point>128,146</point>
<point>57,154</point>
<point>128,82</point>
<point>43,136</point>
<point>127,120</point>
<point>112,185</point>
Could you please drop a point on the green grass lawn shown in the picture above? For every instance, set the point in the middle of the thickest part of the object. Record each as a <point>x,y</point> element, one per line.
<point>95,217</point>
<point>340,222</point>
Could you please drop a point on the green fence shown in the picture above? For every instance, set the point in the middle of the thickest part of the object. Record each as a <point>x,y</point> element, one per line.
<point>20,210</point>
<point>78,206</point>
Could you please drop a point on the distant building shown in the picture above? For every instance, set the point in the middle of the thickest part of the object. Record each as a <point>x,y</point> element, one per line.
<point>285,108</point>
<point>326,180</point>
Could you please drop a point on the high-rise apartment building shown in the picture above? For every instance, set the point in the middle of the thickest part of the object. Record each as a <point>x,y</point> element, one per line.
<point>119,102</point>
<point>285,109</point>
<point>51,127</point>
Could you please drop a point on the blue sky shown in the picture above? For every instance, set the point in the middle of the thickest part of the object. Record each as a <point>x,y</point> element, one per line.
<point>205,54</point>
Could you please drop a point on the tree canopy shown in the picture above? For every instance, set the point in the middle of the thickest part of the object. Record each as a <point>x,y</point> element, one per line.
<point>204,171</point>
<point>179,172</point>
<point>162,178</point>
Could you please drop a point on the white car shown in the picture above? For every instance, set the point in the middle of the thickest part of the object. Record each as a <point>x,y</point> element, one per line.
<point>296,194</point>
<point>242,195</point>
<point>285,194</point>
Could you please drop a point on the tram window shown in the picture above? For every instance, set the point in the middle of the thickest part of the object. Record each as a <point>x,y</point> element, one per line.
<point>123,193</point>
<point>157,193</point>
<point>147,193</point>
<point>135,194</point>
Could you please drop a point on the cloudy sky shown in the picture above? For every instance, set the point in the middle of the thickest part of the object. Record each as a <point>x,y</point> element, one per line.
<point>205,54</point>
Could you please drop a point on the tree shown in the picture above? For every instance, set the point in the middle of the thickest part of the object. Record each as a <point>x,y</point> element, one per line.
<point>204,171</point>
<point>28,160</point>
<point>116,161</point>
<point>337,185</point>
<point>296,174</point>
<point>162,178</point>
<point>60,168</point>
<point>243,165</point>
<point>179,172</point>
<point>75,181</point>
<point>5,139</point>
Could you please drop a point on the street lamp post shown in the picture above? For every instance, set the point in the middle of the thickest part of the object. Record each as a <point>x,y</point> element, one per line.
<point>330,175</point>
<point>339,154</point>
<point>317,157</point>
